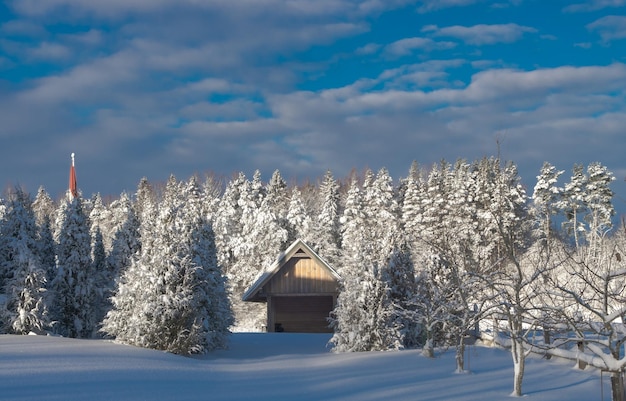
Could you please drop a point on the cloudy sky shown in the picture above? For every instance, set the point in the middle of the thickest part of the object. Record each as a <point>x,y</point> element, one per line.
<point>153,87</point>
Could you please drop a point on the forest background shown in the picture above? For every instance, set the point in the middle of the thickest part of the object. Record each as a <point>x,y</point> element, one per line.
<point>423,260</point>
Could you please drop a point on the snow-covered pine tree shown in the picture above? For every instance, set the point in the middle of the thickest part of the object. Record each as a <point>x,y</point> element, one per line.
<point>126,241</point>
<point>26,281</point>
<point>364,318</point>
<point>546,194</point>
<point>228,224</point>
<point>276,194</point>
<point>44,209</point>
<point>507,227</point>
<point>326,226</point>
<point>348,314</point>
<point>73,308</point>
<point>100,219</point>
<point>43,206</point>
<point>599,200</point>
<point>399,274</point>
<point>212,189</point>
<point>211,301</point>
<point>411,205</point>
<point>300,223</point>
<point>101,276</point>
<point>173,296</point>
<point>572,203</point>
<point>262,240</point>
<point>131,314</point>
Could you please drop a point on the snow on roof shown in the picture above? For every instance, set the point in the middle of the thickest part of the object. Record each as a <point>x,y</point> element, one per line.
<point>268,273</point>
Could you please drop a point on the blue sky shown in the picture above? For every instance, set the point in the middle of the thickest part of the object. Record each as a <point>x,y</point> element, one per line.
<point>153,87</point>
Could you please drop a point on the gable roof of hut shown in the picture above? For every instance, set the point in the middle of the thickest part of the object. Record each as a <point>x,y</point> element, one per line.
<point>297,247</point>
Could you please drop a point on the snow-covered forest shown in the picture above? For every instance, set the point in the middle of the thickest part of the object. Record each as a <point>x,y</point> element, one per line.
<point>423,260</point>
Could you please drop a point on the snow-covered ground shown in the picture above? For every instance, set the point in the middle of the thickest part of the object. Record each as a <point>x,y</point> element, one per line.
<point>272,366</point>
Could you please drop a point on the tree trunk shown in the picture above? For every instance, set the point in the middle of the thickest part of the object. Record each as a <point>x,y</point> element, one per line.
<point>519,359</point>
<point>546,339</point>
<point>428,350</point>
<point>460,355</point>
<point>617,387</point>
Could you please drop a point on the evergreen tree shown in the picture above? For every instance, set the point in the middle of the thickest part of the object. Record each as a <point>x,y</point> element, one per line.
<point>26,279</point>
<point>126,240</point>
<point>546,194</point>
<point>299,220</point>
<point>572,203</point>
<point>101,220</point>
<point>181,304</point>
<point>411,206</point>
<point>326,236</point>
<point>43,206</point>
<point>211,302</point>
<point>228,223</point>
<point>364,318</point>
<point>599,201</point>
<point>74,288</point>
<point>399,274</point>
<point>101,278</point>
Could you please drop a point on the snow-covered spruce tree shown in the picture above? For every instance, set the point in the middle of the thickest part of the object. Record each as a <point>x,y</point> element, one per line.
<point>277,195</point>
<point>586,204</point>
<point>212,189</point>
<point>327,237</point>
<point>411,196</point>
<point>514,287</point>
<point>130,316</point>
<point>46,248</point>
<point>100,219</point>
<point>101,276</point>
<point>365,318</point>
<point>572,204</point>
<point>73,307</point>
<point>424,209</point>
<point>399,274</point>
<point>26,307</point>
<point>126,241</point>
<point>599,200</point>
<point>228,223</point>
<point>44,209</point>
<point>263,238</point>
<point>546,194</point>
<point>453,254</point>
<point>211,297</point>
<point>173,295</point>
<point>299,220</point>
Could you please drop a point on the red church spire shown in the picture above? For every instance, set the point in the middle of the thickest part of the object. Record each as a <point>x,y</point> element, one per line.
<point>73,190</point>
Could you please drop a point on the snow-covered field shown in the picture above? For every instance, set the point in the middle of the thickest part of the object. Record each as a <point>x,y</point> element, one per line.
<point>272,366</point>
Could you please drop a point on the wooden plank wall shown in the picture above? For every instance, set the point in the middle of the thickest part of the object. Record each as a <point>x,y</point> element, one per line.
<point>301,275</point>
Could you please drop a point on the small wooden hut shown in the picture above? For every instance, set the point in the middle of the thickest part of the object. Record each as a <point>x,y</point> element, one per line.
<point>300,289</point>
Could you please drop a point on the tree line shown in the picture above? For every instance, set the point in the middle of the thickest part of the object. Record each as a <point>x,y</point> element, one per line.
<point>423,260</point>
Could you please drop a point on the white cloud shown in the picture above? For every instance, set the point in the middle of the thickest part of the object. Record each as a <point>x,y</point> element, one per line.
<point>611,27</point>
<point>432,5</point>
<point>370,48</point>
<point>92,37</point>
<point>593,5</point>
<point>483,34</point>
<point>50,51</point>
<point>404,47</point>
<point>22,27</point>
